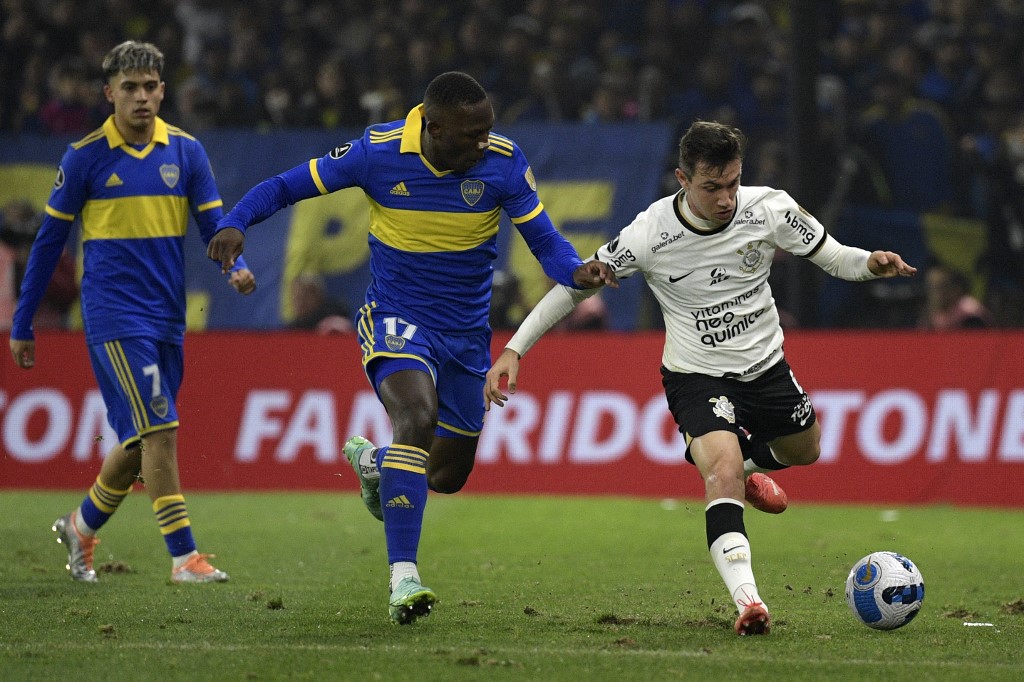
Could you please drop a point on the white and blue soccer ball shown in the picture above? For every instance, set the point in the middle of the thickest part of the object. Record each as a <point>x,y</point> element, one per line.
<point>885,590</point>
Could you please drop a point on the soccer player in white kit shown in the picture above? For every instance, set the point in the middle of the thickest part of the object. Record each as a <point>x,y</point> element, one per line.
<point>706,252</point>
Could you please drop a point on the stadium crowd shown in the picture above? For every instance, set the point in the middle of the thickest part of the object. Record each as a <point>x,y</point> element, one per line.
<point>921,102</point>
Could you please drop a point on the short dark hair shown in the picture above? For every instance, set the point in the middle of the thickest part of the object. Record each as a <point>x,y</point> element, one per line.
<point>133,56</point>
<point>711,144</point>
<point>453,89</point>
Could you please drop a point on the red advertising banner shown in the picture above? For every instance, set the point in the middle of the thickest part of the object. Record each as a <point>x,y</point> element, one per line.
<point>906,417</point>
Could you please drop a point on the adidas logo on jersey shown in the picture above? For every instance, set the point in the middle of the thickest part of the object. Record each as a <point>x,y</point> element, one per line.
<point>401,501</point>
<point>400,190</point>
<point>114,181</point>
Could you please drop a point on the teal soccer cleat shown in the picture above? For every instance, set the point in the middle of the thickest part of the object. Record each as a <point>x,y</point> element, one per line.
<point>410,601</point>
<point>359,452</point>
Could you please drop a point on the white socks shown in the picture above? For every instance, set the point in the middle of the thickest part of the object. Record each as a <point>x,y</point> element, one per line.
<point>80,524</point>
<point>731,555</point>
<point>401,570</point>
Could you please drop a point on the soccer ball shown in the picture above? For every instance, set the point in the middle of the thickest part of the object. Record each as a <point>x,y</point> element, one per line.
<point>885,590</point>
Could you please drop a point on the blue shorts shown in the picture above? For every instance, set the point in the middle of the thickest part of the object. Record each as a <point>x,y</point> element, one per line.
<point>457,364</point>
<point>139,379</point>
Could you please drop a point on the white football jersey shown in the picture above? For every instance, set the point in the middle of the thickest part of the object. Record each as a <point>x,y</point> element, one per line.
<point>720,317</point>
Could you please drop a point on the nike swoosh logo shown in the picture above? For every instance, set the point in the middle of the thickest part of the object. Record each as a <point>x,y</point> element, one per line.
<point>673,280</point>
<point>731,549</point>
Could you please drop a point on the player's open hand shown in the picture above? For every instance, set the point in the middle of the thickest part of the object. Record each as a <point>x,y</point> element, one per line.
<point>24,353</point>
<point>594,274</point>
<point>243,281</point>
<point>225,247</point>
<point>889,264</point>
<point>507,365</point>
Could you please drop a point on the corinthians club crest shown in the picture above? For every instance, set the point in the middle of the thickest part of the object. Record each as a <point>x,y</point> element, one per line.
<point>724,409</point>
<point>752,256</point>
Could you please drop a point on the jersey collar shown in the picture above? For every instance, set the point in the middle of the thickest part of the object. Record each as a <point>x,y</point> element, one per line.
<point>411,141</point>
<point>115,139</point>
<point>691,222</point>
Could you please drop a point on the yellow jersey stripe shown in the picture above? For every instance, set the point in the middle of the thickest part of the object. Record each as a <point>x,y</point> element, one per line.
<point>499,150</point>
<point>58,214</point>
<point>131,386</point>
<point>316,177</point>
<point>459,431</point>
<point>432,230</point>
<point>404,467</point>
<point>175,130</point>
<point>529,216</point>
<point>376,137</point>
<point>210,204</point>
<point>135,217</point>
<point>124,377</point>
<point>91,137</point>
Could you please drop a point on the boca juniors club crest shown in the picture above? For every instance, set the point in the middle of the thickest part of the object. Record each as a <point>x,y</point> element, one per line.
<point>159,406</point>
<point>170,174</point>
<point>472,190</point>
<point>394,343</point>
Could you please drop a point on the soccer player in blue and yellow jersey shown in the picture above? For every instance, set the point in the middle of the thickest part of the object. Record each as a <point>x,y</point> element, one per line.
<point>133,182</point>
<point>436,183</point>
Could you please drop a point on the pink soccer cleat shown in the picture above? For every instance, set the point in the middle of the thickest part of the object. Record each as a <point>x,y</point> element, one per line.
<point>754,620</point>
<point>765,495</point>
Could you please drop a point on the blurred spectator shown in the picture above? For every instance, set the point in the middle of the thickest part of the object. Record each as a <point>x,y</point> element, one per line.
<point>610,102</point>
<point>542,101</point>
<point>920,94</point>
<point>913,143</point>
<point>949,303</point>
<point>1003,258</point>
<point>19,222</point>
<point>315,309</point>
<point>333,101</point>
<point>72,108</point>
<point>514,63</point>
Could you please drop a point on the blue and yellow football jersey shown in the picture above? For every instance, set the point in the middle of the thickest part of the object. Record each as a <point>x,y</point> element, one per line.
<point>134,202</point>
<point>432,234</point>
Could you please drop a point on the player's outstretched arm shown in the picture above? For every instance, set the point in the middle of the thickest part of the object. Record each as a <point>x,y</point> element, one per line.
<point>594,274</point>
<point>225,247</point>
<point>889,264</point>
<point>507,365</point>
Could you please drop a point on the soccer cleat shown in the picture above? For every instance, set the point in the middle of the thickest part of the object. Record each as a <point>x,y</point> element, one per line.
<point>753,621</point>
<point>410,600</point>
<point>764,494</point>
<point>369,486</point>
<point>80,547</point>
<point>198,570</point>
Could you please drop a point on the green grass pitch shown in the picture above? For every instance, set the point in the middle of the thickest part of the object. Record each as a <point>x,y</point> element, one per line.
<point>530,588</point>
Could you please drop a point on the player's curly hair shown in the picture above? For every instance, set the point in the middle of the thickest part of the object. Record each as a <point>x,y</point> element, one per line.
<point>452,89</point>
<point>133,56</point>
<point>710,144</point>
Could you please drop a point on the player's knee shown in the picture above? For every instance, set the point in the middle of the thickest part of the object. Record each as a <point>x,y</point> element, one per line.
<point>414,425</point>
<point>808,455</point>
<point>447,481</point>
